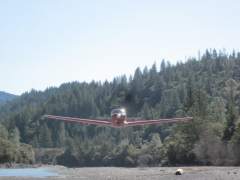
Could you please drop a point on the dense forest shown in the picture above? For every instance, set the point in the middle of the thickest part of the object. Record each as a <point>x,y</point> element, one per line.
<point>208,89</point>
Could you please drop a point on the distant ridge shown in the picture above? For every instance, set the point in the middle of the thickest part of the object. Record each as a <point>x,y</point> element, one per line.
<point>4,97</point>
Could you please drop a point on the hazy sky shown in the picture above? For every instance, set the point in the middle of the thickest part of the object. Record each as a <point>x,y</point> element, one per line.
<point>47,42</point>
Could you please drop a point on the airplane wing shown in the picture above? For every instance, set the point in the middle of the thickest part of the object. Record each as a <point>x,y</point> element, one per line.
<point>79,120</point>
<point>137,122</point>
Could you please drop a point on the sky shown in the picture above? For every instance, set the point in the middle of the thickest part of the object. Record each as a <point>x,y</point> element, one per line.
<point>48,42</point>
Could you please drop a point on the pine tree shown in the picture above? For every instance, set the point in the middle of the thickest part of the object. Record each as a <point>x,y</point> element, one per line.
<point>45,136</point>
<point>231,92</point>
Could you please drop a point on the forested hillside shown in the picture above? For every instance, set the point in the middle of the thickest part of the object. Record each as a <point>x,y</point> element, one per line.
<point>207,89</point>
<point>5,97</point>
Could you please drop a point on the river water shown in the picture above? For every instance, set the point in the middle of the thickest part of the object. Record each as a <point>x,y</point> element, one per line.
<point>28,172</point>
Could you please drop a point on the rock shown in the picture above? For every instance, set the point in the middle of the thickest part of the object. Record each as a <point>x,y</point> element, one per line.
<point>179,172</point>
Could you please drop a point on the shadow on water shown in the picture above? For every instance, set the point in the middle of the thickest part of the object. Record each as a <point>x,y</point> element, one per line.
<point>28,172</point>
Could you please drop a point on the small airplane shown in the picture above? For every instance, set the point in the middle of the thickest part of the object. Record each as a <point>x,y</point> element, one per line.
<point>118,119</point>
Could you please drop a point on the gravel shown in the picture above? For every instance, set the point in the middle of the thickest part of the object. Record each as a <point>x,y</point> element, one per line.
<point>154,173</point>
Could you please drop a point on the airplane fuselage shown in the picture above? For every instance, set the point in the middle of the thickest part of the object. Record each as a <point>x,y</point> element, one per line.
<point>119,117</point>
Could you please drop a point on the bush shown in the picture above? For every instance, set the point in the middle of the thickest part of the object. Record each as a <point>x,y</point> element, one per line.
<point>145,160</point>
<point>25,154</point>
<point>7,151</point>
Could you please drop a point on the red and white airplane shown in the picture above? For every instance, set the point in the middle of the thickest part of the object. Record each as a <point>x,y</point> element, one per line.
<point>118,119</point>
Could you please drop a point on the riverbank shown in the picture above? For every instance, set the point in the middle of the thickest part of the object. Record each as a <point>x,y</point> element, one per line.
<point>17,166</point>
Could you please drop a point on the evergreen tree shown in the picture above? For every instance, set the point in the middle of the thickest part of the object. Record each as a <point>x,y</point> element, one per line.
<point>45,136</point>
<point>231,92</point>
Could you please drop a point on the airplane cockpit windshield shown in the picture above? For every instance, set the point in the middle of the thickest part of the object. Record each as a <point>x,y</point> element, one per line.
<point>121,111</point>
